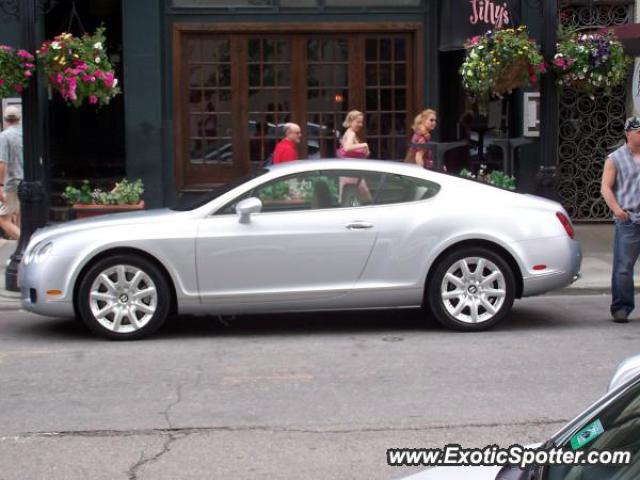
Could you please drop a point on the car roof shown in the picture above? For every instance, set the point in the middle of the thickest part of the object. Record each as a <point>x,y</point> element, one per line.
<point>388,166</point>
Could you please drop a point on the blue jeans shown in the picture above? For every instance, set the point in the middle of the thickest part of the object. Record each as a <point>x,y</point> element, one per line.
<point>626,248</point>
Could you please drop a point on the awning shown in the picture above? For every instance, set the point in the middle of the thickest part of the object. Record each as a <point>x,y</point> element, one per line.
<point>629,36</point>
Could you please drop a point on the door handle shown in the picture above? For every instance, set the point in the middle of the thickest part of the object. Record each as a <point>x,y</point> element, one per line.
<point>359,226</point>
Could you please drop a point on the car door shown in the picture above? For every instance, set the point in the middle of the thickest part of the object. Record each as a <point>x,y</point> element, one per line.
<point>306,244</point>
<point>408,227</point>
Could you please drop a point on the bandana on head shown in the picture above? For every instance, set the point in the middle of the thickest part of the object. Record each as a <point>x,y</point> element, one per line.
<point>632,123</point>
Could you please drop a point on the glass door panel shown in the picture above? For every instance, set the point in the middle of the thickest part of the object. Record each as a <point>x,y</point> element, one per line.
<point>387,89</point>
<point>209,107</point>
<point>327,100</point>
<point>269,94</point>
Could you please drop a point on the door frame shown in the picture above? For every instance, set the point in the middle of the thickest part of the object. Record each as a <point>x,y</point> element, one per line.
<point>240,29</point>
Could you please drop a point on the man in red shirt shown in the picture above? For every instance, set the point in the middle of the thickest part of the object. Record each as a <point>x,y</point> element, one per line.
<point>286,149</point>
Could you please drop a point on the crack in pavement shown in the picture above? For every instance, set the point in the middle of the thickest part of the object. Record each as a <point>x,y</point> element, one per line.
<point>185,431</point>
<point>173,434</point>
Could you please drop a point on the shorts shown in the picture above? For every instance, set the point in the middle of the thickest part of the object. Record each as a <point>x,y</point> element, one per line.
<point>10,205</point>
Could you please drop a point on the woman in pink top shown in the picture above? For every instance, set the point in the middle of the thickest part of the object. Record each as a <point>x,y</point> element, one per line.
<point>353,191</point>
<point>351,145</point>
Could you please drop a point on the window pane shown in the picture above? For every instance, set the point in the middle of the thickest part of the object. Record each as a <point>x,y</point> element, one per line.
<point>299,192</point>
<point>222,3</point>
<point>400,188</point>
<point>373,3</point>
<point>298,3</point>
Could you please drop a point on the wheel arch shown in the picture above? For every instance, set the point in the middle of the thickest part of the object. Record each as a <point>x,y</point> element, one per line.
<point>488,244</point>
<point>173,306</point>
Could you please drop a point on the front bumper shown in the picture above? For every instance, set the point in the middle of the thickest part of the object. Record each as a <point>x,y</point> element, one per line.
<point>36,279</point>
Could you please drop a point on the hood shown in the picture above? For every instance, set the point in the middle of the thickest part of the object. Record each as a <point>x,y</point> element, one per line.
<point>457,473</point>
<point>110,220</point>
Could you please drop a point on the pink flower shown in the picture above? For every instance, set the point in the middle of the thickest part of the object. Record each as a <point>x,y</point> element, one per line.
<point>59,79</point>
<point>542,67</point>
<point>29,65</point>
<point>532,79</point>
<point>474,40</point>
<point>27,73</point>
<point>24,54</point>
<point>1,82</point>
<point>560,63</point>
<point>86,78</point>
<point>93,99</point>
<point>108,79</point>
<point>99,74</point>
<point>17,88</point>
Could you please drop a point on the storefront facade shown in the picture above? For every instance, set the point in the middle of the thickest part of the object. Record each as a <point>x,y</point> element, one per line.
<point>208,85</point>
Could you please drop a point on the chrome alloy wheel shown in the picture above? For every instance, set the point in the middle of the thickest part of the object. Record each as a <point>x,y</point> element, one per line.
<point>123,298</point>
<point>473,290</point>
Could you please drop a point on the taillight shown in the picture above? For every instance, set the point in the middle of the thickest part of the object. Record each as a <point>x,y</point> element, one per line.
<point>566,223</point>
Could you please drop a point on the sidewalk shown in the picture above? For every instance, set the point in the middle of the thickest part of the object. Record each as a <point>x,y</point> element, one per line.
<point>596,240</point>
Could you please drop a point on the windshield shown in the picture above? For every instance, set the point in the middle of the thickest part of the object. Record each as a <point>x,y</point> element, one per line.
<point>615,429</point>
<point>191,201</point>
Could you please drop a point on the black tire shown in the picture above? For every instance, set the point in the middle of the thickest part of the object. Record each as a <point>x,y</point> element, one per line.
<point>472,300</point>
<point>138,319</point>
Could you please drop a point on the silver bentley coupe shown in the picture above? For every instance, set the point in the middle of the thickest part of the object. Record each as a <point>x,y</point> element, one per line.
<point>307,236</point>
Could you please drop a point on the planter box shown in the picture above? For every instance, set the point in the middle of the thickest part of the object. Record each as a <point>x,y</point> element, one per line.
<point>91,210</point>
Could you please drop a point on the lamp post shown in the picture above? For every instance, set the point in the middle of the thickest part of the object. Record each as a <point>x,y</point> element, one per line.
<point>546,177</point>
<point>31,191</point>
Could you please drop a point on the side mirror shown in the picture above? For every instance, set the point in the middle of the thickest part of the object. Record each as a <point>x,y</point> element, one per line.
<point>627,369</point>
<point>246,207</point>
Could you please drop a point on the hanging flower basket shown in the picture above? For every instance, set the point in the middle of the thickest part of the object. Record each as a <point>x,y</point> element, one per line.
<point>78,68</point>
<point>16,68</point>
<point>499,62</point>
<point>590,62</point>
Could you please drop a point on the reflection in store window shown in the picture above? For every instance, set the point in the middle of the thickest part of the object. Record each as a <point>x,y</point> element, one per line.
<point>222,3</point>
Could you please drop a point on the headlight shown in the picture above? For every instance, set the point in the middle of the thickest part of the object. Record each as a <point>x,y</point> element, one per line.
<point>43,252</point>
<point>38,253</point>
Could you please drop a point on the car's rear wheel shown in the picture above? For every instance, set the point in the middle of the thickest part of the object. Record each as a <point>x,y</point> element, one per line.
<point>471,289</point>
<point>124,297</point>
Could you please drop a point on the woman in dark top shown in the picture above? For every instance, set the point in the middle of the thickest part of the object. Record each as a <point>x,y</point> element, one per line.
<point>419,152</point>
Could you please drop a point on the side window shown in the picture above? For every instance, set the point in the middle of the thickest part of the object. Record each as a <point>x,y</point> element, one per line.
<point>401,188</point>
<point>303,191</point>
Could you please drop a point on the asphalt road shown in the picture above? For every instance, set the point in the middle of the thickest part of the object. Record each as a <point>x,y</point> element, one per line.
<point>296,396</point>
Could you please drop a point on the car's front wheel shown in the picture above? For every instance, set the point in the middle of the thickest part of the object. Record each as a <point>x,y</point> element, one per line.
<point>471,289</point>
<point>124,297</point>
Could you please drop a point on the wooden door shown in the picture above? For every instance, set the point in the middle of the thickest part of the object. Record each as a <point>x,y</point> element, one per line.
<point>235,91</point>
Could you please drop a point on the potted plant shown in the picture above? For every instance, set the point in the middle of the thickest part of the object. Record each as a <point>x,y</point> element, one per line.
<point>88,202</point>
<point>16,68</point>
<point>590,62</point>
<point>496,178</point>
<point>78,68</point>
<point>499,62</point>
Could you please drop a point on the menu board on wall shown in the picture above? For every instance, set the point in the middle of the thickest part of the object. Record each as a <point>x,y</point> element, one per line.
<point>463,19</point>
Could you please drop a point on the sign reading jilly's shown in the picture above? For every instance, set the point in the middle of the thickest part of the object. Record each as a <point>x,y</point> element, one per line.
<point>488,12</point>
<point>463,19</point>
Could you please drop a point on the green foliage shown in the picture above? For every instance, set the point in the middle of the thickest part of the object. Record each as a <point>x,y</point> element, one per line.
<point>78,68</point>
<point>78,195</point>
<point>493,55</point>
<point>306,187</point>
<point>275,191</point>
<point>496,178</point>
<point>590,62</point>
<point>124,192</point>
<point>16,68</point>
